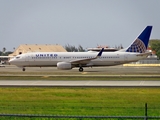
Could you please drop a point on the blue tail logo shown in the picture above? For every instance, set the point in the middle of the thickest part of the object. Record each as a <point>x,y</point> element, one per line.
<point>141,43</point>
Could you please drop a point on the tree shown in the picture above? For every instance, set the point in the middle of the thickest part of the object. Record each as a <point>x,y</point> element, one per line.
<point>155,45</point>
<point>80,49</point>
<point>4,50</point>
<point>70,48</point>
<point>1,53</point>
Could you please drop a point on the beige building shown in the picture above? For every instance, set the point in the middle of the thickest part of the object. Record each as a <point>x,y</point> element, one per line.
<point>37,48</point>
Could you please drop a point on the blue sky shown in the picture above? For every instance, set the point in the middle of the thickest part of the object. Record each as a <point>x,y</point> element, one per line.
<point>76,22</point>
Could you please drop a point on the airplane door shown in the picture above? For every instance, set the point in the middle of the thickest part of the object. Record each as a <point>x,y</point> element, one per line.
<point>126,57</point>
<point>27,59</point>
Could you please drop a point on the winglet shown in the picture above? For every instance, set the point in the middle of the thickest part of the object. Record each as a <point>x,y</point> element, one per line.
<point>100,52</point>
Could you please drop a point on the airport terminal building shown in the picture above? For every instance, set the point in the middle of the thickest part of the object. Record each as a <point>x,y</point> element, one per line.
<point>37,48</point>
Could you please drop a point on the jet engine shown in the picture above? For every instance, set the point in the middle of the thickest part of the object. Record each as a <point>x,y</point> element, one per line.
<point>64,66</point>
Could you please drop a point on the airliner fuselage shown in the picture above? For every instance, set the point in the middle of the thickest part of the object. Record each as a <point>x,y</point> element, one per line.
<point>44,59</point>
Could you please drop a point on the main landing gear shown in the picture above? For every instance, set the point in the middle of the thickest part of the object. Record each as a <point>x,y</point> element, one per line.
<point>23,69</point>
<point>80,69</point>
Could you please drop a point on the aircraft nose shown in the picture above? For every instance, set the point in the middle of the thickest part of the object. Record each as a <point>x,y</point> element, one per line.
<point>11,61</point>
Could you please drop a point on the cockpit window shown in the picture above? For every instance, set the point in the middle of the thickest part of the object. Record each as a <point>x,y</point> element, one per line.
<point>17,57</point>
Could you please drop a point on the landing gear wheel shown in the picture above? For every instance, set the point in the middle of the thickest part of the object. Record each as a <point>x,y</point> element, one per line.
<point>80,69</point>
<point>23,69</point>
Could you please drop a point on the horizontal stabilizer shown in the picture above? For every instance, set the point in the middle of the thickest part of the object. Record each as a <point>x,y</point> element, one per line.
<point>144,54</point>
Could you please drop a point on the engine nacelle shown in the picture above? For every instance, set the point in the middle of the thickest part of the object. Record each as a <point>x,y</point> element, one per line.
<point>64,66</point>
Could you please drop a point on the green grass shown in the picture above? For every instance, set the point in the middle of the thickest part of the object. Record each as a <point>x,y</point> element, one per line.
<point>80,101</point>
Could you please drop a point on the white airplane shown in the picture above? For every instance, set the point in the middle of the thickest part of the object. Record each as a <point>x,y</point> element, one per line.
<point>68,60</point>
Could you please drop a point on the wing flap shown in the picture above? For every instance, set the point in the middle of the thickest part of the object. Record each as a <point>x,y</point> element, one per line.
<point>82,61</point>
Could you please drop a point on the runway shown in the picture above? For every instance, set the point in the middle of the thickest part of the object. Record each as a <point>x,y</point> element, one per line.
<point>48,83</point>
<point>114,71</point>
<point>49,71</point>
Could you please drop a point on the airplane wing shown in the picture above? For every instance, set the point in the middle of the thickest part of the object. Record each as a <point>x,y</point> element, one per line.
<point>85,61</point>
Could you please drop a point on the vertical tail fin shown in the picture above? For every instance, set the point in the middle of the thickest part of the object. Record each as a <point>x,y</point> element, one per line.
<point>141,43</point>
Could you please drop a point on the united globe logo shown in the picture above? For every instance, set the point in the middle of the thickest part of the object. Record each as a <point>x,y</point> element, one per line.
<point>137,46</point>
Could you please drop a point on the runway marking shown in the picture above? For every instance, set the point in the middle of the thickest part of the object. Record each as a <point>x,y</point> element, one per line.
<point>142,83</point>
<point>84,72</point>
<point>34,83</point>
<point>88,83</point>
